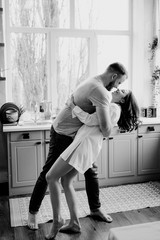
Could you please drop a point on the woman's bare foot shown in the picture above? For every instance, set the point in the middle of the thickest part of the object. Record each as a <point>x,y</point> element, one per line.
<point>55,229</point>
<point>72,227</point>
<point>32,221</point>
<point>98,215</point>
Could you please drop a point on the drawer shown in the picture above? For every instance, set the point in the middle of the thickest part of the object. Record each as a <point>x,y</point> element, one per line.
<point>149,128</point>
<point>117,131</point>
<point>26,135</point>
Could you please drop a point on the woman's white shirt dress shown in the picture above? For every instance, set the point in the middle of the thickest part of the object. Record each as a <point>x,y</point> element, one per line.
<point>87,144</point>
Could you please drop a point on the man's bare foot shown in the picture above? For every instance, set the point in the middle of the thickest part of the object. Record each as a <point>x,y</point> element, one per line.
<point>98,215</point>
<point>55,229</point>
<point>71,228</point>
<point>32,221</point>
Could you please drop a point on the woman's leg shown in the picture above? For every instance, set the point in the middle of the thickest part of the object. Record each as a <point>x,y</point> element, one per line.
<point>58,170</point>
<point>67,183</point>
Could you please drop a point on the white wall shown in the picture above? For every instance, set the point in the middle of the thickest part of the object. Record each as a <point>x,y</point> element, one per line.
<point>142,36</point>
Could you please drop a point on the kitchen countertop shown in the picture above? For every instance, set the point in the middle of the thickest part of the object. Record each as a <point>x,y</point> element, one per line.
<point>28,126</point>
<point>46,125</point>
<point>150,120</point>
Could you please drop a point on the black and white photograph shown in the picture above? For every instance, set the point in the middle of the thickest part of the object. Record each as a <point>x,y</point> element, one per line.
<point>79,119</point>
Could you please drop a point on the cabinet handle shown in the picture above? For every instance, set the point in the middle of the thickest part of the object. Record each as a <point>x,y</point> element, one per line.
<point>110,138</point>
<point>151,129</point>
<point>38,143</point>
<point>140,136</point>
<point>47,142</point>
<point>25,135</point>
<point>122,131</point>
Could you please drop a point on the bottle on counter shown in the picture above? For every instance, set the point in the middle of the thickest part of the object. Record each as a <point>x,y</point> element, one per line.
<point>41,113</point>
<point>48,110</point>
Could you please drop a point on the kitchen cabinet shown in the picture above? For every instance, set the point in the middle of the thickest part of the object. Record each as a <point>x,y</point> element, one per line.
<point>117,160</point>
<point>102,173</point>
<point>149,149</point>
<point>26,158</point>
<point>125,157</point>
<point>122,153</point>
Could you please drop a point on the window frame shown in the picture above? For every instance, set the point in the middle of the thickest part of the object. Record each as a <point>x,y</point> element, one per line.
<point>52,34</point>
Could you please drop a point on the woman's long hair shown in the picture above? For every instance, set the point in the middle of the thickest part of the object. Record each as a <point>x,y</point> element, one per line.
<point>129,118</point>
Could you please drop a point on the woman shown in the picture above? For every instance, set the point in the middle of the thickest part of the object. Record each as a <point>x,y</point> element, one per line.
<point>82,153</point>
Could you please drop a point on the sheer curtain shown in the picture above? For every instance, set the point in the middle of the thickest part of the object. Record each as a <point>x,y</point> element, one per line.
<point>157,29</point>
<point>155,59</point>
<point>157,25</point>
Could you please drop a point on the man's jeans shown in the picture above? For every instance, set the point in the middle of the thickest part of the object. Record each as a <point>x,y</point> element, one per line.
<point>58,143</point>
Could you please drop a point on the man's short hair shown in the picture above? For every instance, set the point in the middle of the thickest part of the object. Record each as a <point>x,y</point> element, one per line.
<point>117,68</point>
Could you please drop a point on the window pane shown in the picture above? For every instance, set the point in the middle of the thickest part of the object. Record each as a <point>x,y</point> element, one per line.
<point>72,66</point>
<point>112,49</point>
<point>102,14</point>
<point>41,13</point>
<point>28,68</point>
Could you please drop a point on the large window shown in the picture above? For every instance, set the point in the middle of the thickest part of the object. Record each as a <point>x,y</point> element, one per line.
<point>102,14</point>
<point>53,45</point>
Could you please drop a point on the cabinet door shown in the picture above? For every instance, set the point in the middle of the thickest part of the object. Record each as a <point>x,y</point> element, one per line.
<point>101,163</point>
<point>122,155</point>
<point>26,161</point>
<point>149,153</point>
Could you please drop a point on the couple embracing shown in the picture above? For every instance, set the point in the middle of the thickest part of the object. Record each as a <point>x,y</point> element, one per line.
<point>76,138</point>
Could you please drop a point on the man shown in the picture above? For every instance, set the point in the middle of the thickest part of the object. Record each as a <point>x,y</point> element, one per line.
<point>92,95</point>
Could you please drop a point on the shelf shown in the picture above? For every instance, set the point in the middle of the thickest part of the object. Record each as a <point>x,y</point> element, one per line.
<point>2,78</point>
